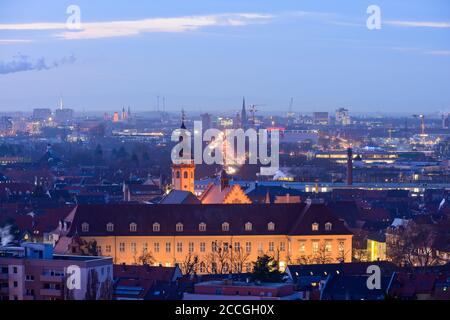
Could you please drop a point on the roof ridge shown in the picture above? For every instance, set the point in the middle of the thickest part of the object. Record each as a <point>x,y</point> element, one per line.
<point>300,218</point>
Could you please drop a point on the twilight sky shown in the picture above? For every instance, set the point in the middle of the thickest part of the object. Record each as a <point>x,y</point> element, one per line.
<point>204,55</point>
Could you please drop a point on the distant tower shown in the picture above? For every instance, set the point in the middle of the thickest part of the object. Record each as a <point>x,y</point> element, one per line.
<point>61,105</point>
<point>129,113</point>
<point>243,114</point>
<point>124,115</point>
<point>206,121</point>
<point>183,171</point>
<point>116,117</point>
<point>349,166</point>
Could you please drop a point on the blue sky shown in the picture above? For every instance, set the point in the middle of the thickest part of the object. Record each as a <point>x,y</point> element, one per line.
<point>204,55</point>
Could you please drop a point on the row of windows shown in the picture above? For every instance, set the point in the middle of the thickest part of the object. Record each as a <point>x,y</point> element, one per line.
<point>179,227</point>
<point>315,246</point>
<point>315,226</point>
<point>215,247</point>
<point>185,174</point>
<point>327,246</point>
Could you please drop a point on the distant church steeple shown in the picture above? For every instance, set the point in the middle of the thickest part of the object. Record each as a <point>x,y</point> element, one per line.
<point>183,173</point>
<point>243,114</point>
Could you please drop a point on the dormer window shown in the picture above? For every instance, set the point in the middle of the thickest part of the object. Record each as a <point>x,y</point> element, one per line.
<point>110,227</point>
<point>202,227</point>
<point>248,226</point>
<point>315,226</point>
<point>179,227</point>
<point>85,227</point>
<point>328,226</point>
<point>156,227</point>
<point>225,226</point>
<point>133,227</point>
<point>271,226</point>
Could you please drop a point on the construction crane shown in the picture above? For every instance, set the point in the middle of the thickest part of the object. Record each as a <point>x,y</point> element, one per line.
<point>291,114</point>
<point>422,122</point>
<point>253,111</point>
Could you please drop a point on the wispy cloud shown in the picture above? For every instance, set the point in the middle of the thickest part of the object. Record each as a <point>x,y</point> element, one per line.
<point>10,41</point>
<point>418,24</point>
<point>439,52</point>
<point>21,63</point>
<point>125,28</point>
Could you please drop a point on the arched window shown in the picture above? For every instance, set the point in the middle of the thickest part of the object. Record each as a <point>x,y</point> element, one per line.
<point>179,227</point>
<point>248,226</point>
<point>328,226</point>
<point>225,226</point>
<point>85,227</point>
<point>271,226</point>
<point>178,174</point>
<point>133,227</point>
<point>156,227</point>
<point>185,175</point>
<point>202,227</point>
<point>110,227</point>
<point>315,226</point>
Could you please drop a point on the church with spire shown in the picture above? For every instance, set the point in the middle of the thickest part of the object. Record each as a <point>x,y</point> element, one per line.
<point>183,172</point>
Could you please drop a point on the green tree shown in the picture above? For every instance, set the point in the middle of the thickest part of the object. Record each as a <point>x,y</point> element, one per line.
<point>265,269</point>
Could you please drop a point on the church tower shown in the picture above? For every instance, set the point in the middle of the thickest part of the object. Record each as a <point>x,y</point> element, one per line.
<point>243,115</point>
<point>183,172</point>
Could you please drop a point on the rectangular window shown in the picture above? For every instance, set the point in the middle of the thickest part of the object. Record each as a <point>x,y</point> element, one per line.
<point>191,247</point>
<point>133,247</point>
<point>341,246</point>
<point>248,247</point>
<point>302,247</point>
<point>315,246</point>
<point>108,248</point>
<point>237,246</point>
<point>260,248</point>
<point>271,246</point>
<point>328,246</point>
<point>214,246</point>
<point>282,246</point>
<point>156,246</point>
<point>122,247</point>
<point>145,247</point>
<point>179,246</point>
<point>225,246</point>
<point>168,247</point>
<point>202,247</point>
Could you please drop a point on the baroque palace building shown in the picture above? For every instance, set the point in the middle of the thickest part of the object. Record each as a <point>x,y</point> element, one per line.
<point>224,238</point>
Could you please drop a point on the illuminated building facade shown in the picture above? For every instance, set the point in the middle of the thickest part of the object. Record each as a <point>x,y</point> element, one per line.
<point>237,233</point>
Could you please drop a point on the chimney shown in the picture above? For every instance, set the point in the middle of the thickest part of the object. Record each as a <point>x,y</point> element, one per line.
<point>349,166</point>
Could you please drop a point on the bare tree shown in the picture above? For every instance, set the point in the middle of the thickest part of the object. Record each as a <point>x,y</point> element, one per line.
<point>106,288</point>
<point>190,264</point>
<point>145,258</point>
<point>92,285</point>
<point>238,258</point>
<point>218,261</point>
<point>413,246</point>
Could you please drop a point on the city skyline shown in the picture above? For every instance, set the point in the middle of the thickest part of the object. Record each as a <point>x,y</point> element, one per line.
<point>205,57</point>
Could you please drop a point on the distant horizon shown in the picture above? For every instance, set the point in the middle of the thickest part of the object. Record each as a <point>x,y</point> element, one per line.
<point>230,112</point>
